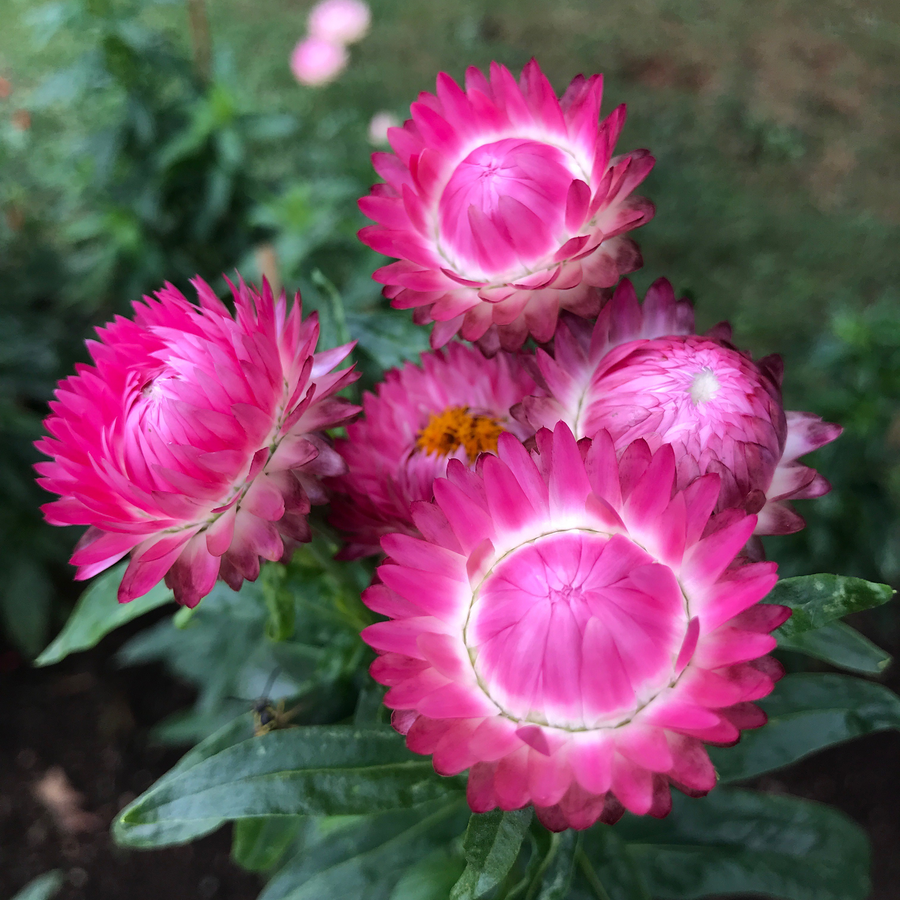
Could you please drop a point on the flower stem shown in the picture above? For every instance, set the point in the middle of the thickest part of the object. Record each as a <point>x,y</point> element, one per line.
<point>200,40</point>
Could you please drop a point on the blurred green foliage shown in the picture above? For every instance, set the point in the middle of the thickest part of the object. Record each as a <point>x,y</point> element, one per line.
<point>137,146</point>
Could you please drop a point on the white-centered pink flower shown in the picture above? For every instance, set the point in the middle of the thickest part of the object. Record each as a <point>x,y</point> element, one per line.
<point>316,62</point>
<point>339,21</point>
<point>454,406</point>
<point>641,372</point>
<point>504,205</point>
<point>572,630</point>
<point>195,441</point>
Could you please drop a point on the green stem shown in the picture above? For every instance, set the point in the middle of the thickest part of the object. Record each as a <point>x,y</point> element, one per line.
<point>200,39</point>
<point>536,881</point>
<point>337,306</point>
<point>591,875</point>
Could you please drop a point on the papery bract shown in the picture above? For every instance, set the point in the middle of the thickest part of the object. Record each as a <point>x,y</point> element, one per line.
<point>452,407</point>
<point>504,205</point>
<point>641,372</point>
<point>572,631</point>
<point>195,440</point>
<point>339,21</point>
<point>316,61</point>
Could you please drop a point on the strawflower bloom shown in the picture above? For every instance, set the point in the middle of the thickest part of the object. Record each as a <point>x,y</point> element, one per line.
<point>641,372</point>
<point>455,406</point>
<point>195,440</point>
<point>572,631</point>
<point>504,205</point>
<point>339,21</point>
<point>315,61</point>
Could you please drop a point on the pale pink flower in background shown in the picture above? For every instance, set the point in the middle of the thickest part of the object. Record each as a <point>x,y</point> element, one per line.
<point>641,372</point>
<point>195,441</point>
<point>454,406</point>
<point>315,61</point>
<point>504,205</point>
<point>572,631</point>
<point>379,125</point>
<point>339,21</point>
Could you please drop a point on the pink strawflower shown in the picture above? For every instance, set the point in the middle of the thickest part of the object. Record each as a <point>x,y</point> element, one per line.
<point>315,61</point>
<point>505,205</point>
<point>641,372</point>
<point>454,406</point>
<point>195,440</point>
<point>339,21</point>
<point>572,631</point>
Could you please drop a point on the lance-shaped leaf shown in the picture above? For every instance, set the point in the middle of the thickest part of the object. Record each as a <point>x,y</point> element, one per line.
<point>259,844</point>
<point>607,868</point>
<point>806,713</point>
<point>818,600</point>
<point>492,843</point>
<point>557,870</point>
<point>165,832</point>
<point>366,857</point>
<point>98,612</point>
<point>841,646</point>
<point>326,770</point>
<point>741,842</point>
<point>431,877</point>
<point>43,887</point>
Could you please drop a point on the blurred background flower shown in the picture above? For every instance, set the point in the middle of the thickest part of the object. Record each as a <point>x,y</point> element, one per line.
<point>316,61</point>
<point>379,125</point>
<point>340,21</point>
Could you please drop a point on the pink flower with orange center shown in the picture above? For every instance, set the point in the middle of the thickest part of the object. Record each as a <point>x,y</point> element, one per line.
<point>504,205</point>
<point>641,372</point>
<point>454,406</point>
<point>195,442</point>
<point>572,630</point>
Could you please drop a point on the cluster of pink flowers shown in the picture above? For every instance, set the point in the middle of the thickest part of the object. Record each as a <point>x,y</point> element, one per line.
<point>572,576</point>
<point>332,25</point>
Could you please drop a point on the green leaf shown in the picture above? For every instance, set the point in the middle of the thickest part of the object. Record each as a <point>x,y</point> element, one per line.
<point>839,645</point>
<point>492,843</point>
<point>817,600</point>
<point>164,833</point>
<point>318,770</point>
<point>279,602</point>
<point>367,857</point>
<point>607,869</point>
<point>98,612</point>
<point>559,866</point>
<point>741,842</point>
<point>433,877</point>
<point>42,888</point>
<point>259,844</point>
<point>806,713</point>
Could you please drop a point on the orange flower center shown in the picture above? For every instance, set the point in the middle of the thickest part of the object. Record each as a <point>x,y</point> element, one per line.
<point>457,427</point>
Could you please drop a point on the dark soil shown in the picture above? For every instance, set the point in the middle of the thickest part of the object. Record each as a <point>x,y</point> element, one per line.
<point>89,719</point>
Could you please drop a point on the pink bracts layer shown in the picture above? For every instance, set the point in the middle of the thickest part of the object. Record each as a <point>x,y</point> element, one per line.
<point>504,205</point>
<point>572,629</point>
<point>195,442</point>
<point>641,372</point>
<point>386,472</point>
